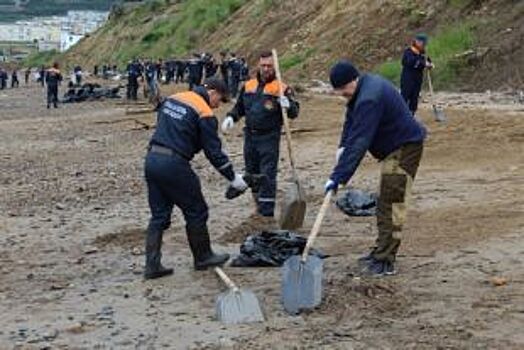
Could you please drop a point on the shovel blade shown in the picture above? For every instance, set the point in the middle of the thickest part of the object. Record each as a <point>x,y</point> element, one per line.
<point>439,114</point>
<point>301,283</point>
<point>240,306</point>
<point>293,210</point>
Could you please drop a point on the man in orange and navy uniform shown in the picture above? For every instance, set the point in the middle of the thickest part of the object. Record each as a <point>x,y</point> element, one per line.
<point>185,126</point>
<point>53,77</point>
<point>260,103</point>
<point>414,61</point>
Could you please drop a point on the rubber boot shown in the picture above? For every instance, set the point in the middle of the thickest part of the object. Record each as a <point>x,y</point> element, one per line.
<point>201,248</point>
<point>154,268</point>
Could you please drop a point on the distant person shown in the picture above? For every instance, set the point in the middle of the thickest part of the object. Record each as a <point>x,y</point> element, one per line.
<point>169,68</point>
<point>210,67</point>
<point>105,71</point>
<point>181,66</point>
<point>235,67</point>
<point>41,75</point>
<point>133,73</point>
<point>224,67</point>
<point>27,75</point>
<point>244,76</point>
<point>3,79</point>
<point>14,79</point>
<point>53,78</point>
<point>414,61</point>
<point>195,68</point>
<point>78,75</point>
<point>151,74</point>
<point>159,67</point>
<point>95,70</point>
<point>379,121</point>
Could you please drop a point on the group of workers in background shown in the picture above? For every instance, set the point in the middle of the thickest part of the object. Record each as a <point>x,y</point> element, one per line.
<point>50,77</point>
<point>230,69</point>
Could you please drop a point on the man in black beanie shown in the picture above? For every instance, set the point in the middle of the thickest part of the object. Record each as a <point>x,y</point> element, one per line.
<point>378,120</point>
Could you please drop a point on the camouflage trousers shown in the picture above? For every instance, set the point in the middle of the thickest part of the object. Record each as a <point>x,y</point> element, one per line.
<point>397,176</point>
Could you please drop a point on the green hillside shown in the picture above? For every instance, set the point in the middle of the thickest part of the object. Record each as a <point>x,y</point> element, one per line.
<point>468,38</point>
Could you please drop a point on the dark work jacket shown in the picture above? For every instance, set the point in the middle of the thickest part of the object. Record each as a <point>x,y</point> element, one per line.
<point>134,70</point>
<point>151,70</point>
<point>186,124</point>
<point>211,69</point>
<point>181,66</point>
<point>53,77</point>
<point>413,64</point>
<point>224,68</point>
<point>235,65</point>
<point>378,120</point>
<point>195,69</point>
<point>259,103</point>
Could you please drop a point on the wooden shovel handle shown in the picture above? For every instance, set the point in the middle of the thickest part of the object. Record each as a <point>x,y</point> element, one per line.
<point>430,84</point>
<point>284,113</point>
<point>229,283</point>
<point>316,226</point>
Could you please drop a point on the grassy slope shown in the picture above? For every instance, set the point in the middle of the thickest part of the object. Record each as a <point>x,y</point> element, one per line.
<point>311,35</point>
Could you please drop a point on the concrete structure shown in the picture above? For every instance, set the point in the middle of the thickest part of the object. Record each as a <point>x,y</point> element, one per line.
<point>67,39</point>
<point>56,32</point>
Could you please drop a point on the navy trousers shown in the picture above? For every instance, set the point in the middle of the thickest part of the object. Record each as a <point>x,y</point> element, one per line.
<point>234,85</point>
<point>52,95</point>
<point>410,91</point>
<point>171,181</point>
<point>261,154</point>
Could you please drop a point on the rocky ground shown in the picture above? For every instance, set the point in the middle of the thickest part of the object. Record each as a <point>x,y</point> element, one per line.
<point>73,211</point>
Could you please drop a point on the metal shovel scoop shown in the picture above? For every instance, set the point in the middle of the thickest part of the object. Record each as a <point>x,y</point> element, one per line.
<point>302,274</point>
<point>236,305</point>
<point>293,209</point>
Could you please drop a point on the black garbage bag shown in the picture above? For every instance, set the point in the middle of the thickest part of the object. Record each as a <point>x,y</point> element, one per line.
<point>90,92</point>
<point>358,203</point>
<point>271,249</point>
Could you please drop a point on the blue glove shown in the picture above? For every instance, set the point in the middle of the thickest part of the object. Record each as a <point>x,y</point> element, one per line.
<point>331,186</point>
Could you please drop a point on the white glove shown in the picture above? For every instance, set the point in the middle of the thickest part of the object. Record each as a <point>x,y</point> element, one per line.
<point>330,186</point>
<point>339,153</point>
<point>238,183</point>
<point>228,124</point>
<point>284,102</point>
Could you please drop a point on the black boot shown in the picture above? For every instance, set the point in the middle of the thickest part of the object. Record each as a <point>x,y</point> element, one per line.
<point>201,247</point>
<point>154,268</point>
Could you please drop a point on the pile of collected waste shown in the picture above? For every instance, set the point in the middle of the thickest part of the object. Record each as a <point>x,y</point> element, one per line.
<point>90,92</point>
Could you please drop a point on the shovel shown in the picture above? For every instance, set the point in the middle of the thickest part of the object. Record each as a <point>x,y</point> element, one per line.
<point>293,209</point>
<point>439,113</point>
<point>236,305</point>
<point>302,274</point>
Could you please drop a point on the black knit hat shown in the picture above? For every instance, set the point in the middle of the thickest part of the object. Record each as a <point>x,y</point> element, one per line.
<point>342,73</point>
<point>219,86</point>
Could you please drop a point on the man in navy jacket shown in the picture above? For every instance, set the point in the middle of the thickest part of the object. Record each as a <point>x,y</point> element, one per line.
<point>186,125</point>
<point>379,121</point>
<point>414,61</point>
